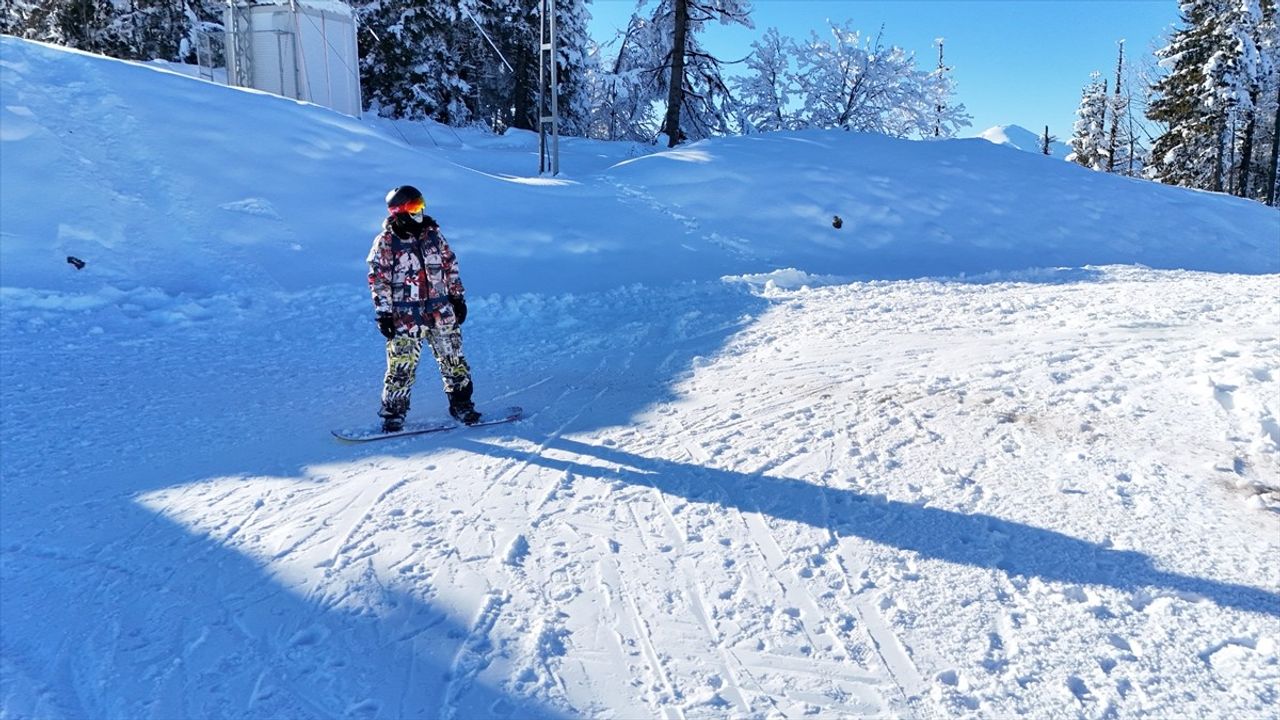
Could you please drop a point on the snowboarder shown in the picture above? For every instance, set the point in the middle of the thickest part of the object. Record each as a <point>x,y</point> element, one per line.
<point>418,296</point>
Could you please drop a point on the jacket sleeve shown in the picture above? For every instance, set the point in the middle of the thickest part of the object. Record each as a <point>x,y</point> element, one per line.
<point>453,281</point>
<point>380,261</point>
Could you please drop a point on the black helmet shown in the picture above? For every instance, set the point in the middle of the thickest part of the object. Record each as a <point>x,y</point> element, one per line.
<point>401,196</point>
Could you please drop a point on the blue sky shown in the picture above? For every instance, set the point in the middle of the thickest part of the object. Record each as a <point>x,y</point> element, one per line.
<point>1019,62</point>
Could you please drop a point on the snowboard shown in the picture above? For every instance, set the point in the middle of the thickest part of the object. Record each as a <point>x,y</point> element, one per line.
<point>369,434</point>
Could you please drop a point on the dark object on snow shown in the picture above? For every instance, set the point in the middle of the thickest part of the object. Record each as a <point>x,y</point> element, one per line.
<point>507,415</point>
<point>79,264</point>
<point>836,222</point>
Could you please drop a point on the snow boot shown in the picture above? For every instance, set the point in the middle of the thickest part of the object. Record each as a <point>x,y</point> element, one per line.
<point>392,414</point>
<point>461,407</point>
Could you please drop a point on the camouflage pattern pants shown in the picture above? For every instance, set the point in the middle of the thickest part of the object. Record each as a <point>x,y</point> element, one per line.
<point>403,353</point>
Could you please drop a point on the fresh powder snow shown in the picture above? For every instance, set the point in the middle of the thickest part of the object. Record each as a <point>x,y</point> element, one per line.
<point>1006,443</point>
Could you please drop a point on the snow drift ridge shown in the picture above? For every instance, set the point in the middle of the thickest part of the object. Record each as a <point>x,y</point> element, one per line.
<point>193,187</point>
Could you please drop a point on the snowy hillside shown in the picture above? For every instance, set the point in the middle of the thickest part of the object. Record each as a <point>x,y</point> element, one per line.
<point>1020,138</point>
<point>1007,443</point>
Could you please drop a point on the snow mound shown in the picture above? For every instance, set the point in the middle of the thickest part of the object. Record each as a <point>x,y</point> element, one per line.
<point>200,189</point>
<point>785,279</point>
<point>1020,138</point>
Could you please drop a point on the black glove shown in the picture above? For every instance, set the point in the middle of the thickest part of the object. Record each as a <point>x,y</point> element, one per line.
<point>459,309</point>
<point>387,326</point>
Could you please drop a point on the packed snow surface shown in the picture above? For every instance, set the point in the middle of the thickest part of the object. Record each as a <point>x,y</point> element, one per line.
<point>1007,443</point>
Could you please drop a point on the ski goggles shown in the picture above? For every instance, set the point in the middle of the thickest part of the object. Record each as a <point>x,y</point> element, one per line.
<point>415,205</point>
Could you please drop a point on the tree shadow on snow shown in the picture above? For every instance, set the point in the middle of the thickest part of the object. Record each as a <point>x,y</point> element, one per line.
<point>170,623</point>
<point>977,540</point>
<point>111,608</point>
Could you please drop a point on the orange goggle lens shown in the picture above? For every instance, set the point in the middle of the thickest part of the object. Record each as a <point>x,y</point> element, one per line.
<point>413,206</point>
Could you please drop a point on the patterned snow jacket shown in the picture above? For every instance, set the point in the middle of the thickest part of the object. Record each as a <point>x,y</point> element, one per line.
<point>412,274</point>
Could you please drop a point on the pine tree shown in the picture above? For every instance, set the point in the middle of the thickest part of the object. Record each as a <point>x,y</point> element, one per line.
<point>1046,142</point>
<point>1191,149</point>
<point>88,25</point>
<point>948,117</point>
<point>1088,143</point>
<point>1256,64</point>
<point>1118,106</point>
<point>1273,180</point>
<point>413,67</point>
<point>13,16</point>
<point>127,29</point>
<point>1214,98</point>
<point>576,64</point>
<point>498,45</point>
<point>1266,165</point>
<point>1232,86</point>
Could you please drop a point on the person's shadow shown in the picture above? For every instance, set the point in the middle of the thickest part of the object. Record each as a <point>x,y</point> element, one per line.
<point>978,540</point>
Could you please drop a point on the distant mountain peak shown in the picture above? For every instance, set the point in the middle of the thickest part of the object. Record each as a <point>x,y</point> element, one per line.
<point>1020,138</point>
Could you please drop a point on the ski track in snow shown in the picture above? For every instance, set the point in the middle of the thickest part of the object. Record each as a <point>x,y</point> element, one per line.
<point>758,543</point>
<point>916,499</point>
<point>632,193</point>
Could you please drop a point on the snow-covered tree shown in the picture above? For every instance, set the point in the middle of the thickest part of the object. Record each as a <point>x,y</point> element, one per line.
<point>1232,82</point>
<point>1267,159</point>
<point>464,61</point>
<point>82,24</point>
<point>1089,137</point>
<point>409,64</point>
<point>939,88</point>
<point>1250,33</point>
<point>1183,154</point>
<point>764,93</point>
<point>1214,93</point>
<point>699,103</point>
<point>128,29</point>
<point>575,63</point>
<point>858,84</point>
<point>499,42</point>
<point>623,91</point>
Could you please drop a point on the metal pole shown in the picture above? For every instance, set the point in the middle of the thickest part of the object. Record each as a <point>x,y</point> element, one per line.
<point>324,48</point>
<point>542,56</point>
<point>240,68</point>
<point>548,81</point>
<point>280,61</point>
<point>555,96</point>
<point>354,77</point>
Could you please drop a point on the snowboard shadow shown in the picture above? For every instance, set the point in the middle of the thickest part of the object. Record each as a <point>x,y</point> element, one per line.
<point>977,540</point>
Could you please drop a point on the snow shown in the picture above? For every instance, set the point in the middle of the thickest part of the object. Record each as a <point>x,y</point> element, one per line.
<point>1020,138</point>
<point>1005,444</point>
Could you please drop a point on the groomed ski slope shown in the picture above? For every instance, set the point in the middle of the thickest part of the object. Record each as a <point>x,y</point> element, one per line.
<point>1006,444</point>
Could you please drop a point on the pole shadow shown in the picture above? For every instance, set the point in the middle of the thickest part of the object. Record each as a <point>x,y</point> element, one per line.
<point>977,540</point>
